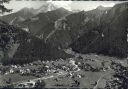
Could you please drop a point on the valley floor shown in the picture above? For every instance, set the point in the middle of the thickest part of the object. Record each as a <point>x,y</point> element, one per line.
<point>84,71</point>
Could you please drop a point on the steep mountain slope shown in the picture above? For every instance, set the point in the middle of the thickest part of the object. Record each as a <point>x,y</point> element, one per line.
<point>112,35</point>
<point>102,30</point>
<point>116,31</point>
<point>18,47</point>
<point>70,28</point>
<point>41,22</point>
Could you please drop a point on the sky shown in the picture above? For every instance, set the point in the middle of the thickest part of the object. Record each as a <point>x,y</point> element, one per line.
<point>70,5</point>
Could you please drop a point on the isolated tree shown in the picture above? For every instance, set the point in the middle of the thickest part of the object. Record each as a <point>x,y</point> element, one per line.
<point>3,9</point>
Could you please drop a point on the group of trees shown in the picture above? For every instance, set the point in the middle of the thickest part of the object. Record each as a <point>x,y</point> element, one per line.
<point>120,78</point>
<point>4,39</point>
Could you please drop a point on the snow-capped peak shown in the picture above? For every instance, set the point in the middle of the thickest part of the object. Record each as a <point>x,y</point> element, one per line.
<point>46,7</point>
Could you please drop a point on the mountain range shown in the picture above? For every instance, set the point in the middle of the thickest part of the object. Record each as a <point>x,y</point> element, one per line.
<point>26,13</point>
<point>103,30</point>
<point>109,36</point>
<point>42,21</point>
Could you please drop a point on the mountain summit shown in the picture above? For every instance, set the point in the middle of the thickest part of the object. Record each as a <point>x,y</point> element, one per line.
<point>46,7</point>
<point>103,8</point>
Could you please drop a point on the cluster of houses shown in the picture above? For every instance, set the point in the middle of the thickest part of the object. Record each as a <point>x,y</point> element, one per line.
<point>31,84</point>
<point>47,67</point>
<point>87,65</point>
<point>40,69</point>
<point>23,69</point>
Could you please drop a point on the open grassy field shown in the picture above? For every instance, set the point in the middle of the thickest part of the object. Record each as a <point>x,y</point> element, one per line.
<point>15,78</point>
<point>87,81</point>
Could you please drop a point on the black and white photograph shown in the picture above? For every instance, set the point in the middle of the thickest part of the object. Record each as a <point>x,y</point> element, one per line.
<point>63,44</point>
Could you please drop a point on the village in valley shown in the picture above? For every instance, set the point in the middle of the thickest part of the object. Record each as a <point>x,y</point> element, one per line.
<point>48,45</point>
<point>79,71</point>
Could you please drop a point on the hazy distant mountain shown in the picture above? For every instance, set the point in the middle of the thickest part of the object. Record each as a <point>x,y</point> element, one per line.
<point>76,11</point>
<point>15,18</point>
<point>25,13</point>
<point>103,8</point>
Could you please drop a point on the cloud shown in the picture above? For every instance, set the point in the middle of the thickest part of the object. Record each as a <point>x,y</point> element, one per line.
<point>109,5</point>
<point>17,5</point>
<point>70,5</point>
<point>89,5</point>
<point>64,4</point>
